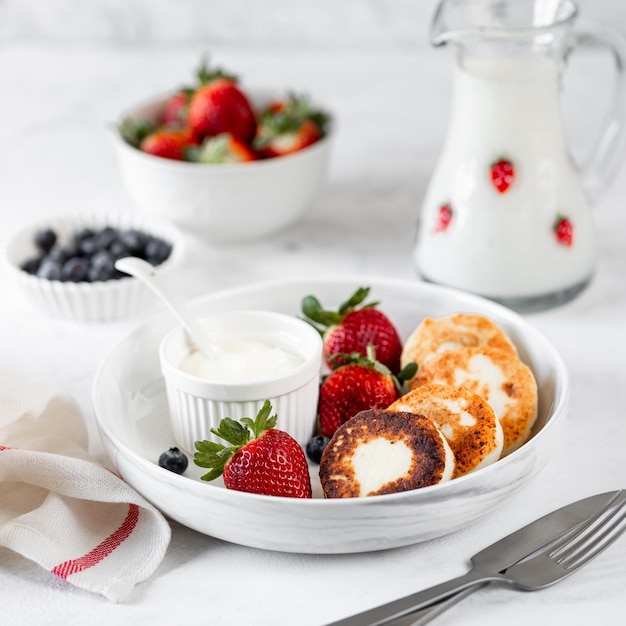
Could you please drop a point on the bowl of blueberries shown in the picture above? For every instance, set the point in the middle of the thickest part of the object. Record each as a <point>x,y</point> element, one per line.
<point>66,265</point>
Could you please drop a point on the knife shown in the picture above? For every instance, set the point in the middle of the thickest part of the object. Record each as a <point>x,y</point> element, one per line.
<point>496,558</point>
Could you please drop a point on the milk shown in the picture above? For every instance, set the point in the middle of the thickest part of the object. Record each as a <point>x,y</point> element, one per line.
<point>503,245</point>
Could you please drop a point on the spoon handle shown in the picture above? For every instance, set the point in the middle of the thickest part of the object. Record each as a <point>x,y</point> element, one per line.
<point>148,274</point>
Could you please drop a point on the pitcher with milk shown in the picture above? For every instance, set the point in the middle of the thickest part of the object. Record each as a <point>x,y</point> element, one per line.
<point>507,212</point>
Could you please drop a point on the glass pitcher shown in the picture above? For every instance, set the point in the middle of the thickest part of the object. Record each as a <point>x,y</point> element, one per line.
<point>506,213</point>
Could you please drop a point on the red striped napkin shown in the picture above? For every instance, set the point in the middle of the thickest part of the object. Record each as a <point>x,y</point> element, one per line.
<point>60,508</point>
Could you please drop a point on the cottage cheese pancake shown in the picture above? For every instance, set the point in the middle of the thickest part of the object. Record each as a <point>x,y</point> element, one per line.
<point>435,335</point>
<point>498,377</point>
<point>378,452</point>
<point>464,418</point>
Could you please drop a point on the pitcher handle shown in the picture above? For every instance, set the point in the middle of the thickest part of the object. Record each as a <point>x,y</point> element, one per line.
<point>603,161</point>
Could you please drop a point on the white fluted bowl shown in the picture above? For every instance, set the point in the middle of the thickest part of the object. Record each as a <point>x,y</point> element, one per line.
<point>100,301</point>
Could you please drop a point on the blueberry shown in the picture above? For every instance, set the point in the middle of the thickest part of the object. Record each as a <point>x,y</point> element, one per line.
<point>157,251</point>
<point>57,254</point>
<point>49,269</point>
<point>174,460</point>
<point>119,250</point>
<point>84,233</point>
<point>106,237</point>
<point>101,267</point>
<point>88,245</point>
<point>134,241</point>
<point>31,265</point>
<point>75,269</point>
<point>45,239</point>
<point>315,446</point>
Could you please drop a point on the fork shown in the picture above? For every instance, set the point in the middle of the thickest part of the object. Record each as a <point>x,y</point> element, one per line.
<point>541,568</point>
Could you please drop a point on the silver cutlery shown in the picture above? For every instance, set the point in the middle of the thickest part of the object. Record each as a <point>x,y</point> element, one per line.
<point>533,557</point>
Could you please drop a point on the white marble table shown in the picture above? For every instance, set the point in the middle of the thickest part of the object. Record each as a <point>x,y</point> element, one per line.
<point>55,157</point>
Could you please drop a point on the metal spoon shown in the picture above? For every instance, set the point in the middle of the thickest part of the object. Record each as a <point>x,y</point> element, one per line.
<point>148,274</point>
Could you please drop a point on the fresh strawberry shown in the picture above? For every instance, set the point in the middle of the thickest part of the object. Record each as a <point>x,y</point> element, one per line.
<point>223,148</point>
<point>564,230</point>
<point>168,143</point>
<point>288,126</point>
<point>175,111</point>
<point>176,107</point>
<point>358,384</point>
<point>502,174</point>
<point>260,459</point>
<point>220,106</point>
<point>443,218</point>
<point>353,327</point>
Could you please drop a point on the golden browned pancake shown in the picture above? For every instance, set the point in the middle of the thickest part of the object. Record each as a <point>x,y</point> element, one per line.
<point>378,452</point>
<point>464,418</point>
<point>499,377</point>
<point>435,335</point>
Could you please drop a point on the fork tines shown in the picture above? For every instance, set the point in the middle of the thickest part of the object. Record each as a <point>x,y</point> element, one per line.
<point>594,536</point>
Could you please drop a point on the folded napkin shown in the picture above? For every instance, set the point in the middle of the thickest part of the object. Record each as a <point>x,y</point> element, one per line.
<point>60,508</point>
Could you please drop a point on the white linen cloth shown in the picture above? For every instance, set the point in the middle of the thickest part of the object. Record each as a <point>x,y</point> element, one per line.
<point>60,508</point>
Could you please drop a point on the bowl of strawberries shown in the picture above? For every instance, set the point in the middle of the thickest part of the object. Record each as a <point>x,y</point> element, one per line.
<point>227,163</point>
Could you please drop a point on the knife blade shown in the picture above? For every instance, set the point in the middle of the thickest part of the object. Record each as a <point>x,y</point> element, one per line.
<point>495,557</point>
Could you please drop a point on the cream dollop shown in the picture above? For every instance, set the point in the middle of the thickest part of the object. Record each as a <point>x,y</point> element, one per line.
<point>241,360</point>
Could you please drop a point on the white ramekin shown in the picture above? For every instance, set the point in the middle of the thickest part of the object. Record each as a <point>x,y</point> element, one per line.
<point>197,404</point>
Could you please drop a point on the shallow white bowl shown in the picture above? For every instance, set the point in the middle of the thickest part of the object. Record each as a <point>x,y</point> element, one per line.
<point>131,412</point>
<point>89,302</point>
<point>196,404</point>
<point>224,202</point>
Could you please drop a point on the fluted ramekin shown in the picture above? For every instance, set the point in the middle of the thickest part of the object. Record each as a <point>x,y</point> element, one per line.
<point>197,404</point>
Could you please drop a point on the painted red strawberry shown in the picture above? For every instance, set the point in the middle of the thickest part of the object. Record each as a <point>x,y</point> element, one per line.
<point>353,327</point>
<point>358,384</point>
<point>261,459</point>
<point>223,148</point>
<point>168,143</point>
<point>443,218</point>
<point>288,126</point>
<point>564,230</point>
<point>502,174</point>
<point>219,106</point>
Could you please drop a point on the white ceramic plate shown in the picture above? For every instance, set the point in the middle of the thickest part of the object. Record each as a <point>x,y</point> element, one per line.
<point>131,411</point>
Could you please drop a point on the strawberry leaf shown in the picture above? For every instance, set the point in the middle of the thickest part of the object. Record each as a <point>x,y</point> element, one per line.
<point>314,312</point>
<point>205,74</point>
<point>263,421</point>
<point>133,132</point>
<point>407,372</point>
<point>354,300</point>
<point>232,431</point>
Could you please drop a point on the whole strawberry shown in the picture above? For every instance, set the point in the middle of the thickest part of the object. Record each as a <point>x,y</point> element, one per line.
<point>353,327</point>
<point>360,383</point>
<point>502,174</point>
<point>288,126</point>
<point>219,106</point>
<point>169,143</point>
<point>175,110</point>
<point>261,459</point>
